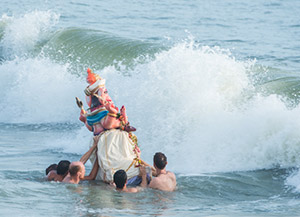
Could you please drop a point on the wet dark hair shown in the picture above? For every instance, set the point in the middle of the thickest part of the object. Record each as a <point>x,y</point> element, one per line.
<point>63,167</point>
<point>160,160</point>
<point>120,178</point>
<point>51,167</point>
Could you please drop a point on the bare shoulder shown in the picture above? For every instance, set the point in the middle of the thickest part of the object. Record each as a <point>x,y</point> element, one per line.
<point>155,182</point>
<point>173,181</point>
<point>171,175</point>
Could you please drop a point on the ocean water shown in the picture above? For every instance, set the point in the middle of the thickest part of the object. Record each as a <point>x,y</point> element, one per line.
<point>212,84</point>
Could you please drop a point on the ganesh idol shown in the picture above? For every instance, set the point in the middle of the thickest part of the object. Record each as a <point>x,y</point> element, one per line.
<point>117,146</point>
<point>102,114</point>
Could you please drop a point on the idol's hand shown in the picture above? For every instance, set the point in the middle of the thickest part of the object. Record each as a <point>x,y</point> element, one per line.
<point>124,115</point>
<point>82,117</point>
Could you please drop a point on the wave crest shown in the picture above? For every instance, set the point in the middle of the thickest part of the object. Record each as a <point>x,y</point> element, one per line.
<point>22,34</point>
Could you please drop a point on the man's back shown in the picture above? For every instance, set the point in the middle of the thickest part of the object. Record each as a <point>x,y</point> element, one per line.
<point>165,182</point>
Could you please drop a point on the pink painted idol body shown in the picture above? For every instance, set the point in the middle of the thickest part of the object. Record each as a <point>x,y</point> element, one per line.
<point>117,146</point>
<point>102,113</point>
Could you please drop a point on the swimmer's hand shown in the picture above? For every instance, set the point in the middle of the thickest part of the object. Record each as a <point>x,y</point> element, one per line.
<point>142,170</point>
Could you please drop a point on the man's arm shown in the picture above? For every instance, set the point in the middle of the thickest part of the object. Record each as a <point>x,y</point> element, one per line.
<point>144,176</point>
<point>94,171</point>
<point>88,154</point>
<point>152,168</point>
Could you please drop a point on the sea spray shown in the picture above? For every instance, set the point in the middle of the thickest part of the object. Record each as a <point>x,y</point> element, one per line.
<point>21,34</point>
<point>38,91</point>
<point>198,105</point>
<point>293,180</point>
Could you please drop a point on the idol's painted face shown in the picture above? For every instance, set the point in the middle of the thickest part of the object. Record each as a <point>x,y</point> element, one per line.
<point>101,92</point>
<point>104,94</point>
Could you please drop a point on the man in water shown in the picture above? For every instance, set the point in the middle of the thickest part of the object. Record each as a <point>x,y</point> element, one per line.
<point>77,172</point>
<point>60,173</point>
<point>77,168</point>
<point>164,180</point>
<point>120,180</point>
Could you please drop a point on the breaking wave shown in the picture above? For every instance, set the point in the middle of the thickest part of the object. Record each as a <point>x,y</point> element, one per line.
<point>207,110</point>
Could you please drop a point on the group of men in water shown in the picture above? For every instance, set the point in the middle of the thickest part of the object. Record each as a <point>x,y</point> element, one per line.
<point>74,172</point>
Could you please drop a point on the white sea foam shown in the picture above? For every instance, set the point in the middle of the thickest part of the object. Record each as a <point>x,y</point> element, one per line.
<point>198,106</point>
<point>38,91</point>
<point>21,34</point>
<point>294,180</point>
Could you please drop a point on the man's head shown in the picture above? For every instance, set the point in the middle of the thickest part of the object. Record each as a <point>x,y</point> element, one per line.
<point>120,178</point>
<point>77,169</point>
<point>51,167</point>
<point>160,160</point>
<point>63,167</point>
